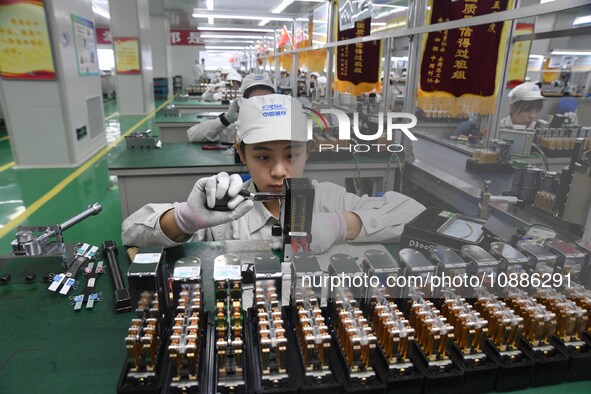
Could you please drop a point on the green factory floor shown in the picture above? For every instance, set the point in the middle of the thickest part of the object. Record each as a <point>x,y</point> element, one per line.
<point>51,196</point>
<point>39,197</point>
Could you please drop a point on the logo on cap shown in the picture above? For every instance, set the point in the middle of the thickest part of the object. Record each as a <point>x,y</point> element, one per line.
<point>269,110</point>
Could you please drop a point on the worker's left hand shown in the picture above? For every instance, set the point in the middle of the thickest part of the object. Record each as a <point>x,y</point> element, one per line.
<point>328,228</point>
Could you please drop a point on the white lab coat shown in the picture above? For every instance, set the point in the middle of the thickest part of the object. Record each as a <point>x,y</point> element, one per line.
<point>383,218</point>
<point>212,130</point>
<point>506,123</point>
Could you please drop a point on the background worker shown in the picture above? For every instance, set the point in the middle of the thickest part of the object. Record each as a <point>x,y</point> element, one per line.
<point>468,128</point>
<point>199,73</point>
<point>222,128</point>
<point>525,103</point>
<point>273,146</point>
<point>214,92</point>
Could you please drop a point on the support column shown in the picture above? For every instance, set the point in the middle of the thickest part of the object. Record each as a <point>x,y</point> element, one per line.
<point>60,122</point>
<point>135,92</point>
<point>161,56</point>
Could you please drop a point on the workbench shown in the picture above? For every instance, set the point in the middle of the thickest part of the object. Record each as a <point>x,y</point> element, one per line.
<point>47,347</point>
<point>198,105</point>
<point>168,174</point>
<point>174,128</point>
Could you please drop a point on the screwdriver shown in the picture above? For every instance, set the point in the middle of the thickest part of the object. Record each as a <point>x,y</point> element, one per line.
<point>222,205</point>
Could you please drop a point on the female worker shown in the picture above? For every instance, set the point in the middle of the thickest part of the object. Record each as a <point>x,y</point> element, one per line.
<point>213,92</point>
<point>525,103</point>
<point>272,140</point>
<point>222,128</point>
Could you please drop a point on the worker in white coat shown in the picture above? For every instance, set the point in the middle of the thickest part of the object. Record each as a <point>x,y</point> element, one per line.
<point>222,129</point>
<point>273,145</point>
<point>525,103</point>
<point>214,92</point>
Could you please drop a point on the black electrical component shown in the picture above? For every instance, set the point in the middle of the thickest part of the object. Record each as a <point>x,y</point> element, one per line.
<point>187,349</point>
<point>296,214</point>
<point>147,363</point>
<point>354,342</point>
<point>308,331</point>
<point>390,325</point>
<point>121,298</point>
<point>438,227</point>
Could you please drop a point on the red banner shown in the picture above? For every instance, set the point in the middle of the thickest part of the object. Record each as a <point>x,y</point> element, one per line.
<point>460,68</point>
<point>185,37</point>
<point>358,67</point>
<point>463,60</point>
<point>103,36</point>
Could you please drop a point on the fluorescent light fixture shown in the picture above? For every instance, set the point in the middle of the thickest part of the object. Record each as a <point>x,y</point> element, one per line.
<point>223,47</point>
<point>214,42</point>
<point>545,1</point>
<point>230,36</point>
<point>251,30</point>
<point>101,12</point>
<point>264,22</point>
<point>378,23</point>
<point>201,14</point>
<point>567,52</point>
<point>284,4</point>
<point>582,20</point>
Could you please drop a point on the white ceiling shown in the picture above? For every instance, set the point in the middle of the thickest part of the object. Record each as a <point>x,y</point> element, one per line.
<point>180,12</point>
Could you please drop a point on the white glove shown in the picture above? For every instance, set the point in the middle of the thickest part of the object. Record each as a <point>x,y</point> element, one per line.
<point>328,228</point>
<point>194,214</point>
<point>571,117</point>
<point>232,113</point>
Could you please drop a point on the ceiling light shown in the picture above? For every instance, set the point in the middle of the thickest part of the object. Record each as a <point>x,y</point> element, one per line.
<point>264,22</point>
<point>101,12</point>
<point>567,52</point>
<point>582,20</point>
<point>206,14</point>
<point>222,47</point>
<point>252,30</point>
<point>230,36</point>
<point>228,42</point>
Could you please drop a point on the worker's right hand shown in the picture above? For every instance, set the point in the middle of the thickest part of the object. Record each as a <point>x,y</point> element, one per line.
<point>194,214</point>
<point>232,113</point>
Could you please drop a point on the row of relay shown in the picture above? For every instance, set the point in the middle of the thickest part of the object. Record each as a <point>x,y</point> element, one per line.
<point>374,339</point>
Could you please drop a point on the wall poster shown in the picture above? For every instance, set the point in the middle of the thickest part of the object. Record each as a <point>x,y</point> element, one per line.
<point>85,44</point>
<point>25,48</point>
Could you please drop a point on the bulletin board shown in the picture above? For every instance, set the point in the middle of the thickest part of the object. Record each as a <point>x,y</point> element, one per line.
<point>85,43</point>
<point>127,56</point>
<point>25,47</point>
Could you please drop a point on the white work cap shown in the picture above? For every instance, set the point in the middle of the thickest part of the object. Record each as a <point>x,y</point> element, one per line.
<point>234,76</point>
<point>273,117</point>
<point>527,91</point>
<point>315,74</point>
<point>255,80</point>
